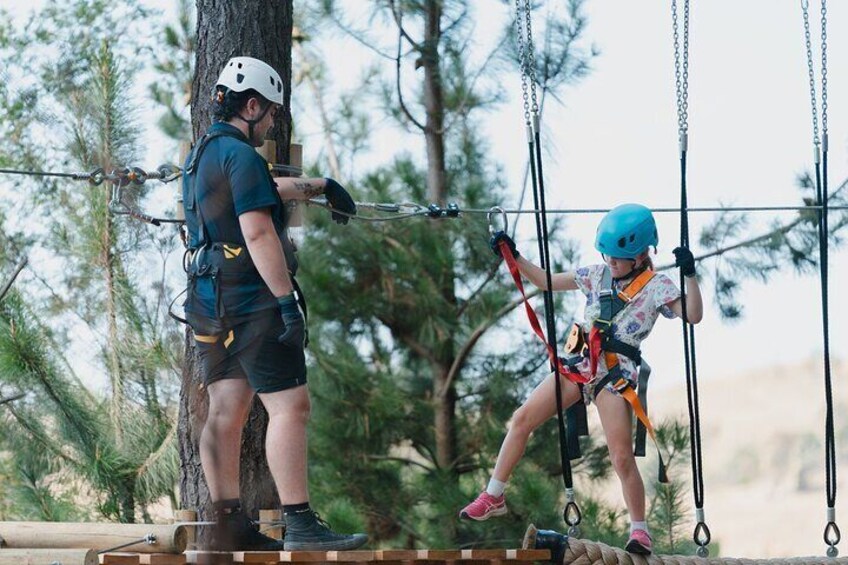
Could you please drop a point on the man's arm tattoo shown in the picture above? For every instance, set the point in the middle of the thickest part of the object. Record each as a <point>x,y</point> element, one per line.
<point>308,190</point>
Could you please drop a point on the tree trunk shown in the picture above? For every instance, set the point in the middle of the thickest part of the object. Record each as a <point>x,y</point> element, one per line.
<point>261,29</point>
<point>437,189</point>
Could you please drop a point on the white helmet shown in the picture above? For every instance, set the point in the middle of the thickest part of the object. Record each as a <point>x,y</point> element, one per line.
<point>243,73</point>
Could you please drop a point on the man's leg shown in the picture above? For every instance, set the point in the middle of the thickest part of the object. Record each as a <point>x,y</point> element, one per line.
<point>285,442</point>
<point>230,401</point>
<point>285,447</point>
<point>220,441</point>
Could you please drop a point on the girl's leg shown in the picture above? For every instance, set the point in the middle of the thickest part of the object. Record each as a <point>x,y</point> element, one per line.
<point>533,413</point>
<point>616,421</point>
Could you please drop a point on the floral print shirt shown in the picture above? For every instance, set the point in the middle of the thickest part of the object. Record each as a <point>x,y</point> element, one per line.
<point>634,322</point>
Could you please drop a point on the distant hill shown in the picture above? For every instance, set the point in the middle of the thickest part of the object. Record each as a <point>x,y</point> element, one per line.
<point>763,438</point>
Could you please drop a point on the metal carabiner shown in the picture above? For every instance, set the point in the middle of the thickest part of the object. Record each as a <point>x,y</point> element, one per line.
<point>490,214</point>
<point>116,203</point>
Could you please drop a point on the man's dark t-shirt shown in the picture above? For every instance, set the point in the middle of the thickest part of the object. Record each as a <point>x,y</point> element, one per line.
<point>229,179</point>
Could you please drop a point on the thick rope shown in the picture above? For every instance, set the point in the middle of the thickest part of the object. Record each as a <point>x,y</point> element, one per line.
<point>586,552</point>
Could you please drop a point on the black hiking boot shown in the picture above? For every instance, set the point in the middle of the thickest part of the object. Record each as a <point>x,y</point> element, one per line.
<point>306,531</point>
<point>236,532</point>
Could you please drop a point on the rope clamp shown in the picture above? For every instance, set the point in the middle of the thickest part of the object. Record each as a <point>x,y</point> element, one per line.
<point>490,216</point>
<point>434,211</point>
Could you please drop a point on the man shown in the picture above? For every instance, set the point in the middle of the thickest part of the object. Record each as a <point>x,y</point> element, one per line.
<point>245,308</point>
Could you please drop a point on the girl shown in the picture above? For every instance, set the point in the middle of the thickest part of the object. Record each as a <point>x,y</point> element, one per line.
<point>624,238</point>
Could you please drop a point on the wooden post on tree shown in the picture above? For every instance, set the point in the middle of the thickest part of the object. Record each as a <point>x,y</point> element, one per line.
<point>260,29</point>
<point>266,516</point>
<point>181,516</point>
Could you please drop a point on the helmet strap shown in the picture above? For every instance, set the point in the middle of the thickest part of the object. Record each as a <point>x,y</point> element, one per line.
<point>252,123</point>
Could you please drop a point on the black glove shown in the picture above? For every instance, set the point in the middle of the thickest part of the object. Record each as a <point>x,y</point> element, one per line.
<point>684,259</point>
<point>294,328</point>
<point>340,200</point>
<point>495,241</point>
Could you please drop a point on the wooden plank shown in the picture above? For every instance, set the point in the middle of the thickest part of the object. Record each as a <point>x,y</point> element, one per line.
<point>382,556</point>
<point>395,555</point>
<point>124,558</point>
<point>303,556</point>
<point>162,559</point>
<point>359,556</point>
<point>438,555</point>
<point>530,555</point>
<point>256,557</point>
<point>119,558</point>
<point>506,554</point>
<point>209,557</point>
<point>93,535</point>
<point>48,556</point>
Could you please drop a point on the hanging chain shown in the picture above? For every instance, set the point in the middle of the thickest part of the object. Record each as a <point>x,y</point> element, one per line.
<point>681,70</point>
<point>531,57</point>
<point>522,60</point>
<point>805,5</point>
<point>824,69</point>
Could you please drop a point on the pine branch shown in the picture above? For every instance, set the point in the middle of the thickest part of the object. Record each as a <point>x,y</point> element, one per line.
<point>461,357</point>
<point>20,267</point>
<point>781,230</point>
<point>398,17</point>
<point>12,398</point>
<point>403,460</point>
<point>403,107</point>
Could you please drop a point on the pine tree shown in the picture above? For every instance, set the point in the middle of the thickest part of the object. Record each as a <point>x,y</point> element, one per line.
<point>118,447</point>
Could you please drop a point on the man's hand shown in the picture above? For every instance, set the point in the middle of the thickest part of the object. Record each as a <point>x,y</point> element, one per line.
<point>340,200</point>
<point>294,328</point>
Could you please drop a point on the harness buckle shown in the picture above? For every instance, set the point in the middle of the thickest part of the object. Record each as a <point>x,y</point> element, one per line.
<point>621,385</point>
<point>606,323</point>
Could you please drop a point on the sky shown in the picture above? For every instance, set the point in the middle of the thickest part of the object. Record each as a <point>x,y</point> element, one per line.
<point>614,140</point>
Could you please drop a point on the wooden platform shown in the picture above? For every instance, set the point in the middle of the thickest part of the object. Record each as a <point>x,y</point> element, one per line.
<point>384,556</point>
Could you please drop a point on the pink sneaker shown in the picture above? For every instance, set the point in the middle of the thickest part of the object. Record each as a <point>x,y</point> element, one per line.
<point>484,507</point>
<point>639,543</point>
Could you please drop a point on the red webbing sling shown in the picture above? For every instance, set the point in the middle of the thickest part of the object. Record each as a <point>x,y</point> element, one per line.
<point>506,253</point>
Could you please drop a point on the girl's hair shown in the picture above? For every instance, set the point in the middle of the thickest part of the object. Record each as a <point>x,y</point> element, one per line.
<point>647,262</point>
<point>226,103</point>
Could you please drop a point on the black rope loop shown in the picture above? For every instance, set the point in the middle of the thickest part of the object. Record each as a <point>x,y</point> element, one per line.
<point>572,515</point>
<point>702,535</point>
<point>832,536</point>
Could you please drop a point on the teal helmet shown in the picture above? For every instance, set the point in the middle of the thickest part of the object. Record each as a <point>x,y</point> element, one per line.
<point>626,231</point>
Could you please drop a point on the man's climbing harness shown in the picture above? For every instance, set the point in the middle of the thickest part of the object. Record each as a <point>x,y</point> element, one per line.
<point>701,535</point>
<point>532,122</point>
<point>831,535</point>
